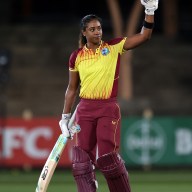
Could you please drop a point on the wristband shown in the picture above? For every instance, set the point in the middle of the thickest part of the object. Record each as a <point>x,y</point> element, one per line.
<point>148,25</point>
<point>66,116</point>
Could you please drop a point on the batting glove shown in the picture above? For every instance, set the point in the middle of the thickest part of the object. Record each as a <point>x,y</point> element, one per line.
<point>150,6</point>
<point>63,123</point>
<point>74,129</point>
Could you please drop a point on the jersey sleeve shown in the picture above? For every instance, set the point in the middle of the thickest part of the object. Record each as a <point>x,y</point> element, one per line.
<point>72,61</point>
<point>121,44</point>
<point>118,43</point>
<point>123,50</point>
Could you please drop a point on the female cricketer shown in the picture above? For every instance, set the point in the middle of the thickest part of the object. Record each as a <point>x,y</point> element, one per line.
<point>95,68</point>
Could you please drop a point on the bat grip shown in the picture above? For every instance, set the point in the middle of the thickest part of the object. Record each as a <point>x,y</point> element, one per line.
<point>72,119</point>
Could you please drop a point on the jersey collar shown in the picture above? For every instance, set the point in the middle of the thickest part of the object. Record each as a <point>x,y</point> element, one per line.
<point>87,49</point>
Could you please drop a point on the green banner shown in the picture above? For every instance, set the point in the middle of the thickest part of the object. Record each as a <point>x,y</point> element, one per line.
<point>157,141</point>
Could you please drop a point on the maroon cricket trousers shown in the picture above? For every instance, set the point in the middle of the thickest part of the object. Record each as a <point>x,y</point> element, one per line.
<point>100,126</point>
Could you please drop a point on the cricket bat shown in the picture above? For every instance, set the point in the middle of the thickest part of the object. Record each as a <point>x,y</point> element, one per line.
<point>53,159</point>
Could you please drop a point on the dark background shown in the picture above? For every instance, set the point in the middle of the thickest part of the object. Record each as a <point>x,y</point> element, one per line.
<point>38,11</point>
<point>38,36</point>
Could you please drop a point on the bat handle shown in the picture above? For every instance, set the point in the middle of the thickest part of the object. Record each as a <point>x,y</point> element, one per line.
<point>72,119</point>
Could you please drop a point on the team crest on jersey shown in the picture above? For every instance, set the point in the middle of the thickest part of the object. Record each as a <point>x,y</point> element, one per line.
<point>105,51</point>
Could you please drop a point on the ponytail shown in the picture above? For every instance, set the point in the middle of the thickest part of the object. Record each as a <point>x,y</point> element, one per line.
<point>82,40</point>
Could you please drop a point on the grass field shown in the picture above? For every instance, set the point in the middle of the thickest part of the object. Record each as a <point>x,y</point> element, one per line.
<point>62,181</point>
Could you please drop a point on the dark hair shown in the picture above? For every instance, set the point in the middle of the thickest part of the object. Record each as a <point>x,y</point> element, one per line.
<point>84,21</point>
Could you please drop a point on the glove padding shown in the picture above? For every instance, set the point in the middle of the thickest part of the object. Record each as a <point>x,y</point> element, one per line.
<point>68,131</point>
<point>150,6</point>
<point>63,123</point>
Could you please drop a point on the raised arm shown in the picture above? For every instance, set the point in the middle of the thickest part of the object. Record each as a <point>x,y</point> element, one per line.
<point>146,31</point>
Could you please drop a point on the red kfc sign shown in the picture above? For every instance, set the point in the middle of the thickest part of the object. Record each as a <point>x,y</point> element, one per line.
<point>29,142</point>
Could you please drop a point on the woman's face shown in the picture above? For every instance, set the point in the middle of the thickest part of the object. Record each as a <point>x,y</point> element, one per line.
<point>93,32</point>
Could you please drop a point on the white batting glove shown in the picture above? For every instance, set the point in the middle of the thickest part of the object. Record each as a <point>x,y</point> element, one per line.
<point>74,129</point>
<point>150,6</point>
<point>63,123</point>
